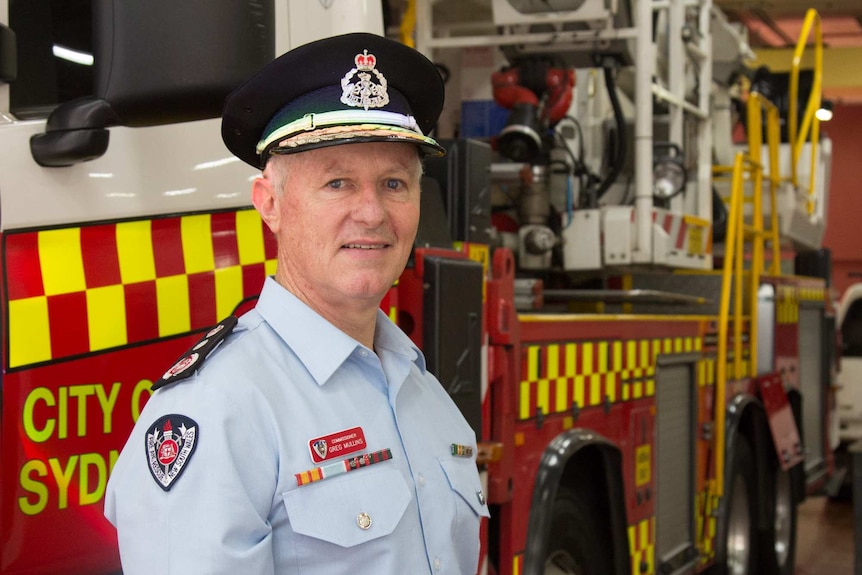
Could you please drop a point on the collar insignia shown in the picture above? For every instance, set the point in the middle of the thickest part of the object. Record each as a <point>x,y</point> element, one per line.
<point>170,443</point>
<point>359,89</point>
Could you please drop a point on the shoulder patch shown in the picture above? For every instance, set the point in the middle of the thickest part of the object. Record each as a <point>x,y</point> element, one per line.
<point>170,443</point>
<point>194,358</point>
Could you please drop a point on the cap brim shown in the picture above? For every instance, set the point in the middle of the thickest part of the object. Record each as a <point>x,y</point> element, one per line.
<point>354,134</point>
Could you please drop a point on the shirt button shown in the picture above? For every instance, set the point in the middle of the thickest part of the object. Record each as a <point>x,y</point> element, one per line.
<point>363,353</point>
<point>363,520</point>
<point>421,481</point>
<point>436,564</point>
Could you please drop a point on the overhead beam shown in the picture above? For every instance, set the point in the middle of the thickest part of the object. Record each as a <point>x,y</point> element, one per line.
<point>776,29</point>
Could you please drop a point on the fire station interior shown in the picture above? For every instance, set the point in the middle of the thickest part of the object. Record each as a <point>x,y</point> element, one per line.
<point>648,211</point>
<point>828,527</point>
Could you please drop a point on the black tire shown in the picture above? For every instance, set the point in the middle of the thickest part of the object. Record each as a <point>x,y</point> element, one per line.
<point>574,547</point>
<point>740,531</point>
<point>778,543</point>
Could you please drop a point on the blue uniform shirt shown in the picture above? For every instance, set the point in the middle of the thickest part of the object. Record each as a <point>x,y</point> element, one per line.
<point>282,380</point>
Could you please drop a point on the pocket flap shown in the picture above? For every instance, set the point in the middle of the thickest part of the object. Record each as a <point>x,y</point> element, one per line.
<point>350,509</point>
<point>464,480</point>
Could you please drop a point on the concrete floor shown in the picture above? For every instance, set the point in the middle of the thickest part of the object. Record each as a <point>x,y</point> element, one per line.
<point>825,537</point>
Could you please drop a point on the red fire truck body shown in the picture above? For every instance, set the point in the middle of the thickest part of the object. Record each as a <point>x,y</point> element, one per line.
<point>94,313</point>
<point>620,409</point>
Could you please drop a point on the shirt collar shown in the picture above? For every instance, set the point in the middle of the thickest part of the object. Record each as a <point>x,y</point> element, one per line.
<point>389,337</point>
<point>321,346</point>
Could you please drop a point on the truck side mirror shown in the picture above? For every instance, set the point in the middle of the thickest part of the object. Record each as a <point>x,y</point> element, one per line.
<point>76,131</point>
<point>158,62</point>
<point>8,55</point>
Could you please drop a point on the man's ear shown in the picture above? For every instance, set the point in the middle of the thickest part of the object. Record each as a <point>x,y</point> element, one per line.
<point>265,200</point>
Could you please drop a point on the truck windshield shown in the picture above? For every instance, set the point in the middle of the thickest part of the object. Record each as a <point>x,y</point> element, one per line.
<point>55,62</point>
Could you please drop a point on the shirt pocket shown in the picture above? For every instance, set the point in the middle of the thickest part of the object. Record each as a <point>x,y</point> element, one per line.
<point>463,477</point>
<point>338,510</point>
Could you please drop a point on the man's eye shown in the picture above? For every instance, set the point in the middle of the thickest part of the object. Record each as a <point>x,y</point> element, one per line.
<point>394,184</point>
<point>336,184</point>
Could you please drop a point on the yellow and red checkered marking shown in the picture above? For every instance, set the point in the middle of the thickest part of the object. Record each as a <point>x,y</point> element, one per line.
<point>706,372</point>
<point>77,290</point>
<point>787,304</point>
<point>642,546</point>
<point>788,298</point>
<point>706,505</point>
<point>554,376</point>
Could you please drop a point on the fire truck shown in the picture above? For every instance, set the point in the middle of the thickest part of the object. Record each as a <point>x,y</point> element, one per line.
<point>628,303</point>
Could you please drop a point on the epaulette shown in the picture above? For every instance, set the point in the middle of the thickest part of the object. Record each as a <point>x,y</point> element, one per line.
<point>191,361</point>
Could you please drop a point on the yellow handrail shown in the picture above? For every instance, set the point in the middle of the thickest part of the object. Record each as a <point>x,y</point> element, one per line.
<point>809,120</point>
<point>750,167</point>
<point>757,104</point>
<point>734,228</point>
<point>746,165</point>
<point>773,138</point>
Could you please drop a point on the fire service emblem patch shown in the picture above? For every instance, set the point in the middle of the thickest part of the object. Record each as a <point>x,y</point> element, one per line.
<point>170,443</point>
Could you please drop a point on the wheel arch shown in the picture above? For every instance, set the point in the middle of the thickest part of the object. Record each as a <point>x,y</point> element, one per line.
<point>580,459</point>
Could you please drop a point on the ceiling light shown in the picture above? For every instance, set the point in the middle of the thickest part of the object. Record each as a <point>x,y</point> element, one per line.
<point>824,114</point>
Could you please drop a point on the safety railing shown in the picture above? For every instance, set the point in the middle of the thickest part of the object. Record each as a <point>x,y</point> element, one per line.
<point>748,168</point>
<point>732,260</point>
<point>810,123</point>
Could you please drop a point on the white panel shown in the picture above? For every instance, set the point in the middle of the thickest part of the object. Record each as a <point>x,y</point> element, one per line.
<point>146,171</point>
<point>311,20</point>
<point>582,241</point>
<point>766,329</point>
<point>811,384</point>
<point>617,228</point>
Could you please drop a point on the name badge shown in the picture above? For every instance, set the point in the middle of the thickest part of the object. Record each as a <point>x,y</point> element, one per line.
<point>336,444</point>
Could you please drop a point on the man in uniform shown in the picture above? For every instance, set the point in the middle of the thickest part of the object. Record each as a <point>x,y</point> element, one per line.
<point>308,437</point>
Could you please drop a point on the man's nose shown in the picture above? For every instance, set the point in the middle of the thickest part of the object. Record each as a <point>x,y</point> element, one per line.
<point>369,206</point>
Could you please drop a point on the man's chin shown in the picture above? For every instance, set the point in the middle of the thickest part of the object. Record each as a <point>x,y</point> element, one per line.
<point>373,293</point>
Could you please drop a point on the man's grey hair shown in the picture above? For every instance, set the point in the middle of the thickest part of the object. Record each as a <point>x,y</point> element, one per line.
<point>276,172</point>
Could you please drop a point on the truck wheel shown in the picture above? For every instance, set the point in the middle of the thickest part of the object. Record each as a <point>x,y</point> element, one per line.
<point>574,547</point>
<point>740,535</point>
<point>778,544</point>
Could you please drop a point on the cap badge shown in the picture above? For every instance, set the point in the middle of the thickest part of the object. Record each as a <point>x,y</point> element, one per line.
<point>359,89</point>
<point>170,443</point>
